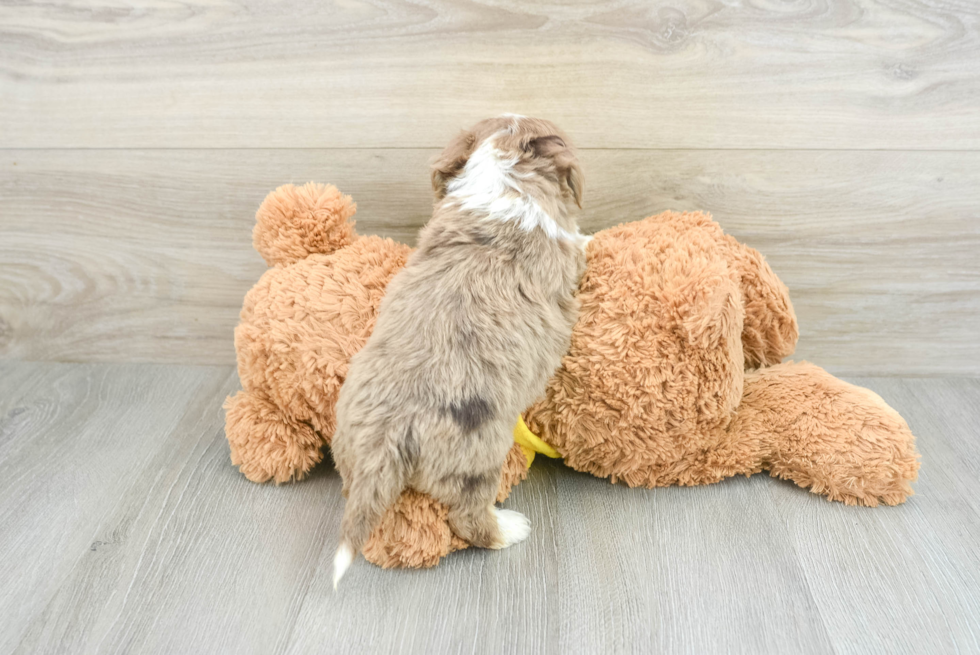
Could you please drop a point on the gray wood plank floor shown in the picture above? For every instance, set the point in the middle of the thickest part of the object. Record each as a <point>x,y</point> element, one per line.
<point>126,529</point>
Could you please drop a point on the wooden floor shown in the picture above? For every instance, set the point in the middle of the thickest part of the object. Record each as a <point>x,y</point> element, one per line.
<point>125,529</point>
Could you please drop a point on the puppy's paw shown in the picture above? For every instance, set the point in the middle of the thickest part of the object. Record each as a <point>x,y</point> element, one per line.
<point>514,527</point>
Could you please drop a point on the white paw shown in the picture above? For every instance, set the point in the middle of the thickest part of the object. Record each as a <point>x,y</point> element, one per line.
<point>514,526</point>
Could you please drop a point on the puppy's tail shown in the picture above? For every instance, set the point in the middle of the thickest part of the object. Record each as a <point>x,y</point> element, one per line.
<point>372,492</point>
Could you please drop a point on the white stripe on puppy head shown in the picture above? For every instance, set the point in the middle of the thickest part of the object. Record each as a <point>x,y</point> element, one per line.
<point>488,184</point>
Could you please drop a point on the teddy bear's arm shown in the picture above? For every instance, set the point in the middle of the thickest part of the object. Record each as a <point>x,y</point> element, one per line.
<point>770,330</point>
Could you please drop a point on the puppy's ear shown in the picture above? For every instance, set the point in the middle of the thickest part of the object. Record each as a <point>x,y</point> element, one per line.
<point>566,163</point>
<point>451,161</point>
<point>545,146</point>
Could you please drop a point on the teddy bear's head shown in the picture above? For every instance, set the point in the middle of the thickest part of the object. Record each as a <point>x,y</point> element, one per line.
<point>672,312</point>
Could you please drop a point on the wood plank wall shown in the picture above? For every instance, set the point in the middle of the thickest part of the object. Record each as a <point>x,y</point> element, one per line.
<point>839,137</point>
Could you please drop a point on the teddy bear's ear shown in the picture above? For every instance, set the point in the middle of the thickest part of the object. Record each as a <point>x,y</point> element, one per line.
<point>294,222</point>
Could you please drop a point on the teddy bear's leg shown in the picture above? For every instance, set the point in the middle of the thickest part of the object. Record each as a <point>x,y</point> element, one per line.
<point>414,532</point>
<point>266,444</point>
<point>824,434</point>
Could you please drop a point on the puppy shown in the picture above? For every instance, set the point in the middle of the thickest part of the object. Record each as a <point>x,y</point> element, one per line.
<point>467,335</point>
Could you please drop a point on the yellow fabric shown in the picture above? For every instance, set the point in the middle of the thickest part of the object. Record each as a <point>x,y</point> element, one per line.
<point>530,443</point>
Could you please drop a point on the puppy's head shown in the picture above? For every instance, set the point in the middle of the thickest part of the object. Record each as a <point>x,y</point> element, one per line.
<point>538,153</point>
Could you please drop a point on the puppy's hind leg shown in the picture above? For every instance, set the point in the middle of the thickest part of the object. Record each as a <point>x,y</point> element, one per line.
<point>473,517</point>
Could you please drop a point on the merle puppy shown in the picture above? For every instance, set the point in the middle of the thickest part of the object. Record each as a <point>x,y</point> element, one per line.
<point>467,335</point>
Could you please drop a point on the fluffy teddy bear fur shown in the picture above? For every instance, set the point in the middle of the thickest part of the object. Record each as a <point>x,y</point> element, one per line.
<point>662,383</point>
<point>673,376</point>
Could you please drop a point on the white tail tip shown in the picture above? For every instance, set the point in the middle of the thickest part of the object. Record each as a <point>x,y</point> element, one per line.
<point>341,561</point>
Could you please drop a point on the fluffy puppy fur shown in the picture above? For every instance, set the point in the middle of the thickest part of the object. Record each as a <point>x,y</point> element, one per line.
<point>467,336</point>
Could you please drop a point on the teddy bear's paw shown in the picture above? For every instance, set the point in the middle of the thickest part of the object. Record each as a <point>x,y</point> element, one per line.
<point>265,443</point>
<point>514,526</point>
<point>413,533</point>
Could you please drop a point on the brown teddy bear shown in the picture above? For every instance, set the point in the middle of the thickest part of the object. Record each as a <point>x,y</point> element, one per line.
<point>673,376</point>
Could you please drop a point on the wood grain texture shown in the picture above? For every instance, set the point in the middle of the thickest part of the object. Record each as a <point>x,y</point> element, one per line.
<point>386,73</point>
<point>76,441</point>
<point>127,530</point>
<point>195,557</point>
<point>145,255</point>
<point>914,570</point>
